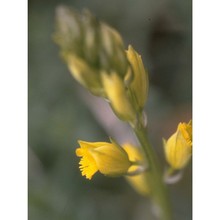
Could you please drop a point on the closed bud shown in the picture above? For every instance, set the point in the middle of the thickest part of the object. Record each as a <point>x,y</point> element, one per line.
<point>116,93</point>
<point>140,84</point>
<point>112,54</point>
<point>90,45</point>
<point>178,148</point>
<point>69,31</point>
<point>85,75</point>
<point>108,158</point>
<point>139,182</point>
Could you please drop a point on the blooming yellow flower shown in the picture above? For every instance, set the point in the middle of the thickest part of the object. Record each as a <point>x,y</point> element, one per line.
<point>139,181</point>
<point>178,148</point>
<point>140,83</point>
<point>108,158</point>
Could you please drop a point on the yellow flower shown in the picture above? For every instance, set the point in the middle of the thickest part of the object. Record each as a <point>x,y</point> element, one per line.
<point>108,158</point>
<point>140,84</point>
<point>138,182</point>
<point>116,93</point>
<point>178,148</point>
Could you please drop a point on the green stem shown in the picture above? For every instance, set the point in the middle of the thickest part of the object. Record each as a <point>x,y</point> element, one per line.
<point>155,177</point>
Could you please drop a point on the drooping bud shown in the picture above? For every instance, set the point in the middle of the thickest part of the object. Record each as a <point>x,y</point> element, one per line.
<point>108,158</point>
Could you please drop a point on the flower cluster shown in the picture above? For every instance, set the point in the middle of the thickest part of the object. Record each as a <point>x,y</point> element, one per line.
<point>97,59</point>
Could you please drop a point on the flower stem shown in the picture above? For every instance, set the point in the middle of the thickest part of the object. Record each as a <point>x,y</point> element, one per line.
<point>155,177</point>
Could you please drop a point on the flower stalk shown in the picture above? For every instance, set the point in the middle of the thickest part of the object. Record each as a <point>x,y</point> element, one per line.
<point>154,175</point>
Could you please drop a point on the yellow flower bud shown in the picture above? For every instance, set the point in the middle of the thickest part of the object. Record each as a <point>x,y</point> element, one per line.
<point>85,75</point>
<point>108,158</point>
<point>116,93</point>
<point>178,148</point>
<point>140,84</point>
<point>112,53</point>
<point>138,182</point>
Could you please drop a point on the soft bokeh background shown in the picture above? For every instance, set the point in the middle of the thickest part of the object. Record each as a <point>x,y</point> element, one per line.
<point>60,114</point>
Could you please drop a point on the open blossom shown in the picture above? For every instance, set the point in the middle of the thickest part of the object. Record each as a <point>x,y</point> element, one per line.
<point>108,158</point>
<point>178,148</point>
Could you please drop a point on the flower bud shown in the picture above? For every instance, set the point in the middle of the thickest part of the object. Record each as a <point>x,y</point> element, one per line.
<point>178,148</point>
<point>69,31</point>
<point>108,158</point>
<point>139,181</point>
<point>85,75</point>
<point>116,93</point>
<point>112,53</point>
<point>140,84</point>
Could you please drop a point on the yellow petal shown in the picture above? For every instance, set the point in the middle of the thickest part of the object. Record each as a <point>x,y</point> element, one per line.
<point>85,144</point>
<point>110,160</point>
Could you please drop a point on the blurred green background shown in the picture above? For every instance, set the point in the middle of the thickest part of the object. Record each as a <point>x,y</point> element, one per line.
<point>58,116</point>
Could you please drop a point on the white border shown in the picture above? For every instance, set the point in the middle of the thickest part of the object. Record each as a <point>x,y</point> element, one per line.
<point>13,115</point>
<point>206,110</point>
